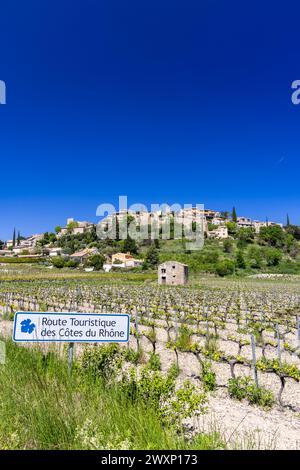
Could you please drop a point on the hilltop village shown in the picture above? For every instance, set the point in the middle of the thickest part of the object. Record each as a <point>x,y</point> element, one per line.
<point>232,243</point>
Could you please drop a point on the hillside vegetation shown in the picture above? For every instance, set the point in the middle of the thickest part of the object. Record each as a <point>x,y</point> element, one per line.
<point>273,249</point>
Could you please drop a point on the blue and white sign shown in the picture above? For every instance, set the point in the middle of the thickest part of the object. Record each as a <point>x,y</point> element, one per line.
<point>71,327</point>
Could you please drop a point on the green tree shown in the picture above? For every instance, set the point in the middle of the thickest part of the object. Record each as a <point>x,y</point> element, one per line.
<point>294,250</point>
<point>58,262</point>
<point>152,258</point>
<point>96,261</point>
<point>234,216</point>
<point>245,235</point>
<point>289,241</point>
<point>71,263</point>
<point>293,230</point>
<point>18,238</point>
<point>129,246</point>
<point>52,237</point>
<point>14,237</point>
<point>232,228</point>
<point>225,267</point>
<point>240,261</point>
<point>47,239</point>
<point>227,245</point>
<point>287,220</point>
<point>211,257</point>
<point>58,229</point>
<point>273,235</point>
<point>254,257</point>
<point>273,256</point>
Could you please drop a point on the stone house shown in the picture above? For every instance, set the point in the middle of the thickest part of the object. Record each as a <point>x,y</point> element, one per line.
<point>82,255</point>
<point>122,260</point>
<point>79,227</point>
<point>173,273</point>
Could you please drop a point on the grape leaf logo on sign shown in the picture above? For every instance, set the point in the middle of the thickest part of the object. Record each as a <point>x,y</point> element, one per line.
<point>27,326</point>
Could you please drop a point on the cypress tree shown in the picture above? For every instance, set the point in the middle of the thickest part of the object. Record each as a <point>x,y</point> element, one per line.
<point>287,220</point>
<point>14,237</point>
<point>152,257</point>
<point>234,216</point>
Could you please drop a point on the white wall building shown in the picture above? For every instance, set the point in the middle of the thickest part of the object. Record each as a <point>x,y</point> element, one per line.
<point>220,232</point>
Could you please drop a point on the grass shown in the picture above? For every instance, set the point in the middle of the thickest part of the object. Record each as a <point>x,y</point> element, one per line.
<point>26,272</point>
<point>15,260</point>
<point>44,407</point>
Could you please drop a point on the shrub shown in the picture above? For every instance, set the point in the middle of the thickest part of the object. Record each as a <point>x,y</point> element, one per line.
<point>184,403</point>
<point>158,392</point>
<point>225,267</point>
<point>103,361</point>
<point>151,387</point>
<point>208,377</point>
<point>227,245</point>
<point>237,389</point>
<point>244,387</point>
<point>8,316</point>
<point>152,258</point>
<point>273,256</point>
<point>154,362</point>
<point>273,235</point>
<point>183,341</point>
<point>240,261</point>
<point>58,262</point>
<point>71,263</point>
<point>260,396</point>
<point>130,355</point>
<point>96,261</point>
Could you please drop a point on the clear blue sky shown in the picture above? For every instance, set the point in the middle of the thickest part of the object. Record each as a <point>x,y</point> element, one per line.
<point>163,101</point>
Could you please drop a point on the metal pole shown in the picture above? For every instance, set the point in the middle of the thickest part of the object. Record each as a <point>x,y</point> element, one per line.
<point>137,328</point>
<point>278,344</point>
<point>70,356</point>
<point>176,326</point>
<point>254,360</point>
<point>136,322</point>
<point>298,331</point>
<point>207,326</point>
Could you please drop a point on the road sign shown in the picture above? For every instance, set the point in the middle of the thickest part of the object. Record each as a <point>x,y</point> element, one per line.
<point>71,327</point>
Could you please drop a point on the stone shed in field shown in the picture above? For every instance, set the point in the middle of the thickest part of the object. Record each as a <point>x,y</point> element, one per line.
<point>173,273</point>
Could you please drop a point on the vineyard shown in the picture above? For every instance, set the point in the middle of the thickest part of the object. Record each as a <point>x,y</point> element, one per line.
<point>238,342</point>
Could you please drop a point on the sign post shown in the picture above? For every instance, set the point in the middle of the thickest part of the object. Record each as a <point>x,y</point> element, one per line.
<point>46,327</point>
<point>278,344</point>
<point>70,356</point>
<point>254,360</point>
